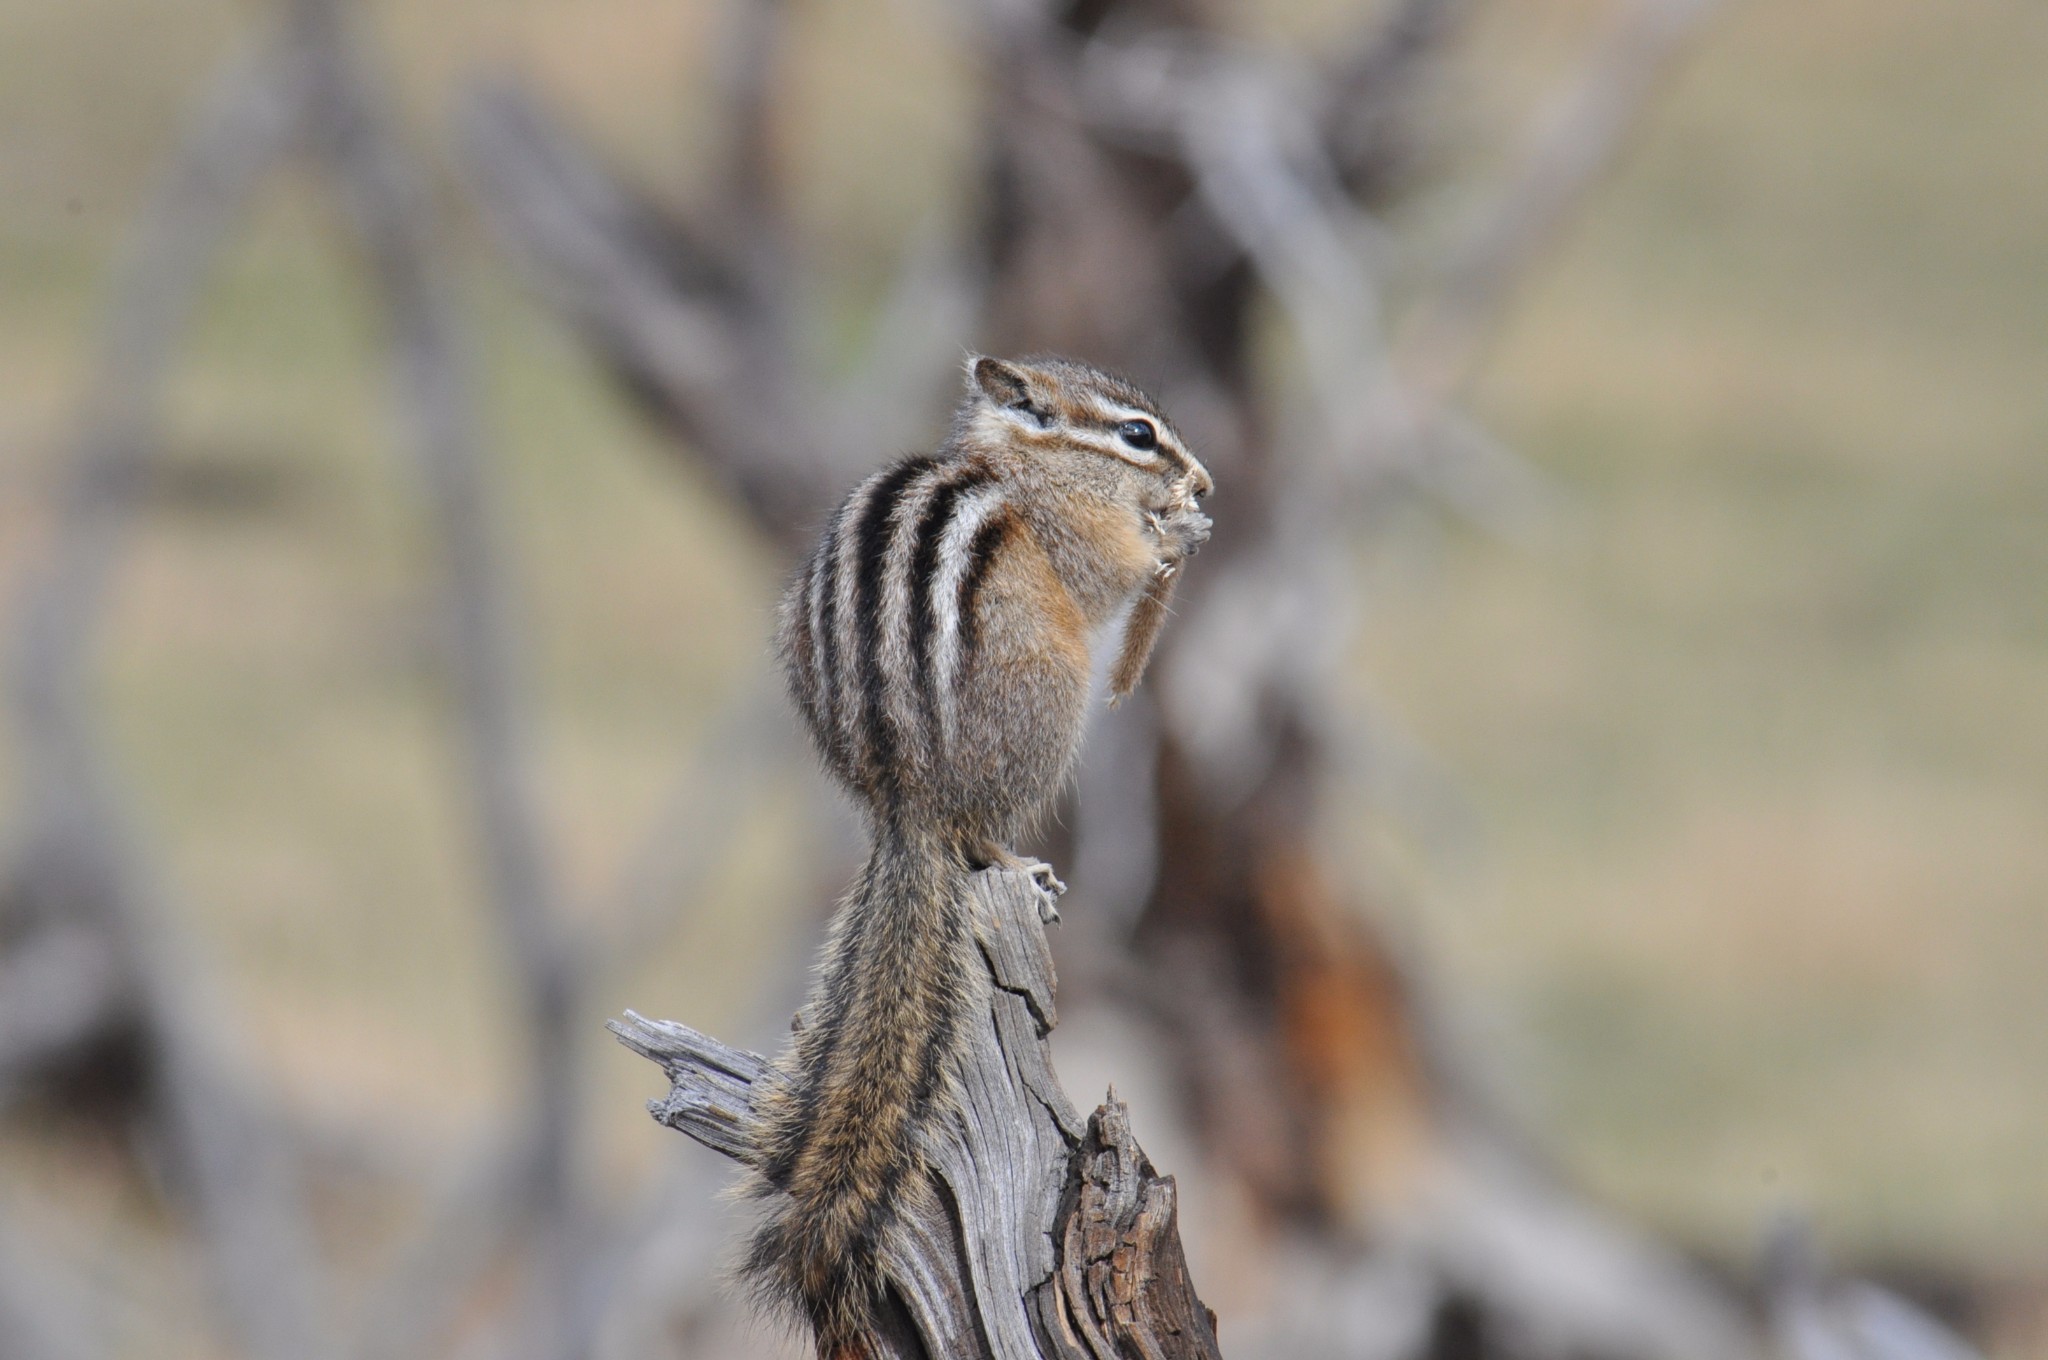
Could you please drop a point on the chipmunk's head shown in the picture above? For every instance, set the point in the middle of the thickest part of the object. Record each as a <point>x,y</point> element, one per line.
<point>1076,423</point>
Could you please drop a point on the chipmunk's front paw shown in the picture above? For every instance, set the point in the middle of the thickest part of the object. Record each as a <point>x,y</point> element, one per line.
<point>1182,532</point>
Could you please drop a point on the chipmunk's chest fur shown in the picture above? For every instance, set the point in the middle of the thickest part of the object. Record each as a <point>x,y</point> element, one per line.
<point>1097,551</point>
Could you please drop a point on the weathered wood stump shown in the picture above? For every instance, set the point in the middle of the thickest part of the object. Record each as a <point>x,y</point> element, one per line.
<point>1047,1237</point>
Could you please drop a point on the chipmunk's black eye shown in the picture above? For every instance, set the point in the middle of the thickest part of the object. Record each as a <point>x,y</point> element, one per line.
<point>1139,434</point>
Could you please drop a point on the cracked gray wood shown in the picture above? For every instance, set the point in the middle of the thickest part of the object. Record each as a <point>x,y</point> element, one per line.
<point>1048,1237</point>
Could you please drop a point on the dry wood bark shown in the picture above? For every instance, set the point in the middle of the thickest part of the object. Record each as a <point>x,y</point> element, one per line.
<point>1049,1236</point>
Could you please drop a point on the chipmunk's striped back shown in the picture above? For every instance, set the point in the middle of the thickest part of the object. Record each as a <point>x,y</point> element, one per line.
<point>883,618</point>
<point>936,643</point>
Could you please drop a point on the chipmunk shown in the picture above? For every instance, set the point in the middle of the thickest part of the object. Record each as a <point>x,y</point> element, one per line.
<point>937,644</point>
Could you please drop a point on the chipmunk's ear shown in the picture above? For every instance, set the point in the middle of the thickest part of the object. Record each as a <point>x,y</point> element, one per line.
<point>1001,383</point>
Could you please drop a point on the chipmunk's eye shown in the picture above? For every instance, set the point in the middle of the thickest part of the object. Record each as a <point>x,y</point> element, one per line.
<point>1139,434</point>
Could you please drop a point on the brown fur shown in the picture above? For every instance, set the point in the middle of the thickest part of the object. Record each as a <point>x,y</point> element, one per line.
<point>1141,634</point>
<point>937,644</point>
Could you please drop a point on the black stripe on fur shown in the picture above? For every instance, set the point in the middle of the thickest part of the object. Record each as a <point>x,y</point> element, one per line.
<point>981,556</point>
<point>871,549</point>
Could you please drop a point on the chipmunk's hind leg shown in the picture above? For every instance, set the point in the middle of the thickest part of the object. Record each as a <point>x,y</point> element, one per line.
<point>988,854</point>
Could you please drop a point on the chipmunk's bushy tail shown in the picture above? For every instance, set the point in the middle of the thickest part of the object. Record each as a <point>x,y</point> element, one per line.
<point>839,1145</point>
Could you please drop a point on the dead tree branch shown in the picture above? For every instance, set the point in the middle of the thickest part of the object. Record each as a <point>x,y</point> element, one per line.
<point>1050,1236</point>
<point>83,874</point>
<point>385,199</point>
<point>699,319</point>
<point>58,882</point>
<point>42,1317</point>
<point>82,867</point>
<point>1573,145</point>
<point>59,987</point>
<point>1370,118</point>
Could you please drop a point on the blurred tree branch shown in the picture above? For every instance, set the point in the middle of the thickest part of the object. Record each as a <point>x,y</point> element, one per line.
<point>431,371</point>
<point>1574,142</point>
<point>1148,186</point>
<point>81,880</point>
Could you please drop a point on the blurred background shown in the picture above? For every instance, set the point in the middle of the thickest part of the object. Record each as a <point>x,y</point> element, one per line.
<point>1585,846</point>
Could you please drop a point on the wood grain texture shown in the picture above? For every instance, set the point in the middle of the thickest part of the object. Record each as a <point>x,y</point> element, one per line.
<point>1047,1236</point>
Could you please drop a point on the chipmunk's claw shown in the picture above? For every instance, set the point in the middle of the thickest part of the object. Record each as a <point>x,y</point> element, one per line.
<point>1050,890</point>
